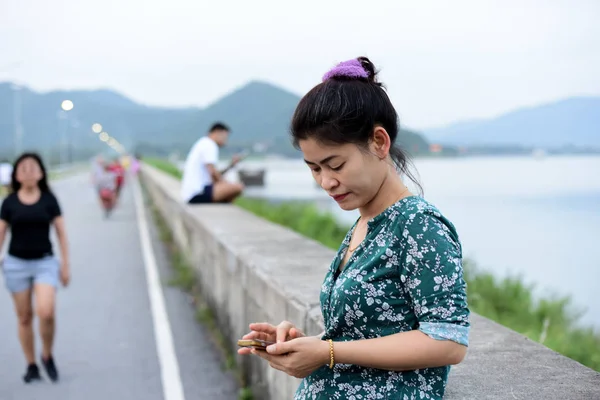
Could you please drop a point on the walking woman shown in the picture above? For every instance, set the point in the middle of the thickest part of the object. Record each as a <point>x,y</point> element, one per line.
<point>394,299</point>
<point>30,268</point>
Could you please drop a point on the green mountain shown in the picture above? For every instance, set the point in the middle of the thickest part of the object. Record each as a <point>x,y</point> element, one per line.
<point>257,113</point>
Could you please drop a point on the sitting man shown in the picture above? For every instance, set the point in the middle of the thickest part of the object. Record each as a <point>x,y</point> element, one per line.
<point>201,182</point>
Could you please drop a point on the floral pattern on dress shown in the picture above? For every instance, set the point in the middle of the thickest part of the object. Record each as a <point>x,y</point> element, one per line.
<point>406,275</point>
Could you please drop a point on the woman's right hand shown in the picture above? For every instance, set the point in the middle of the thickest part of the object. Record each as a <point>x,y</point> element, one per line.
<point>281,333</point>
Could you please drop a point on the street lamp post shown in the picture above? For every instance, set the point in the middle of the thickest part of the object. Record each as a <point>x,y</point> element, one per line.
<point>17,104</point>
<point>71,142</point>
<point>96,129</point>
<point>66,106</point>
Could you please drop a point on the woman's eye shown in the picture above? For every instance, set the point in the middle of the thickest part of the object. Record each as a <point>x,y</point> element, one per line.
<point>338,167</point>
<point>315,169</point>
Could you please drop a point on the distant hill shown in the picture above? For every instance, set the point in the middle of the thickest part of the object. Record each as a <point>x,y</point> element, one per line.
<point>257,113</point>
<point>570,122</point>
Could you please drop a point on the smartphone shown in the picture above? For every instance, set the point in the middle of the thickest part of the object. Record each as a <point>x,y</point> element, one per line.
<point>256,343</point>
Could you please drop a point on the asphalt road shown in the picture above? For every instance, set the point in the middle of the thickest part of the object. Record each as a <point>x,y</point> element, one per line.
<point>106,345</point>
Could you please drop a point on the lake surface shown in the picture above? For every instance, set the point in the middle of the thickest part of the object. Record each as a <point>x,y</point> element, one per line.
<point>539,218</point>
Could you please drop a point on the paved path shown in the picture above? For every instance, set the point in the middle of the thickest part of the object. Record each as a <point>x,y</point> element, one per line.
<point>106,344</point>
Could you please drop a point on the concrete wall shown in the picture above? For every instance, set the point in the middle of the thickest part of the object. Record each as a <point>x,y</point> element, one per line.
<point>251,270</point>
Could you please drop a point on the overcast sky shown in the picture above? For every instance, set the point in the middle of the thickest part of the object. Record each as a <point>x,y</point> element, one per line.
<point>442,61</point>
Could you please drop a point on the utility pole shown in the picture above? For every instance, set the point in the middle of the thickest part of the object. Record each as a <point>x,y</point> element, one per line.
<point>17,119</point>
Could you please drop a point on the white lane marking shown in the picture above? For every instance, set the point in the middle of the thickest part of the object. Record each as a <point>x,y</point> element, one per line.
<point>171,380</point>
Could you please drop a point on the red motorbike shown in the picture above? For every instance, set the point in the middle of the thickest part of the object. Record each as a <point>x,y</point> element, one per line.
<point>109,199</point>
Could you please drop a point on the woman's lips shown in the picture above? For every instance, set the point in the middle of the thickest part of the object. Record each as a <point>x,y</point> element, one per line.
<point>340,197</point>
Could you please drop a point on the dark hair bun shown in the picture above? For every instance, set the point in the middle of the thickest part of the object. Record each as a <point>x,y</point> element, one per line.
<point>370,69</point>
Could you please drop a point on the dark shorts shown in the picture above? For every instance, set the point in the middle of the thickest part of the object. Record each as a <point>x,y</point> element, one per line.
<point>205,197</point>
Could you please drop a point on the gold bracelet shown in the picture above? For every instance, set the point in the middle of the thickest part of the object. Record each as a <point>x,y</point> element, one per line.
<point>332,359</point>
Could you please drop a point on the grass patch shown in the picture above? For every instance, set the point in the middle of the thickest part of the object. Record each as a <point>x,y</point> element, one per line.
<point>185,277</point>
<point>552,321</point>
<point>301,217</point>
<point>245,394</point>
<point>164,166</point>
<point>205,316</point>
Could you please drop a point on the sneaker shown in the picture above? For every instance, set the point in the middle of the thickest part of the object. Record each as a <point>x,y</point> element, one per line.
<point>32,374</point>
<point>50,368</point>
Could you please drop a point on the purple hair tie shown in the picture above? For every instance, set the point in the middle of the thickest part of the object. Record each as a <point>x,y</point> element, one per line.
<point>351,69</point>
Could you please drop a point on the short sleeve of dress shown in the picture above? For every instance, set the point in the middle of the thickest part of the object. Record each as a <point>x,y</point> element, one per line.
<point>53,207</point>
<point>432,273</point>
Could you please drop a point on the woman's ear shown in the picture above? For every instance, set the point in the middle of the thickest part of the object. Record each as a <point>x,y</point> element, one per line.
<point>380,143</point>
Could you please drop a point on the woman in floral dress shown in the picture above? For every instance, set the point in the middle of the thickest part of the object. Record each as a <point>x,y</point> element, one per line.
<point>394,299</point>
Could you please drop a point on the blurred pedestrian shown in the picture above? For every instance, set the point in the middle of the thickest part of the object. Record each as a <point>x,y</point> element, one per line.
<point>31,271</point>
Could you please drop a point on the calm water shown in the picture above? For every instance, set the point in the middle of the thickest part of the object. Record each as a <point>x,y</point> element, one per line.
<point>539,218</point>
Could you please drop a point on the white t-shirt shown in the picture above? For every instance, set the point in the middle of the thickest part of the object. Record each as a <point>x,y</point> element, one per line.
<point>5,173</point>
<point>195,174</point>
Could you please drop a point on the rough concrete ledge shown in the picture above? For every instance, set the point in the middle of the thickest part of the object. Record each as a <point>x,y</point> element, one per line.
<point>252,270</point>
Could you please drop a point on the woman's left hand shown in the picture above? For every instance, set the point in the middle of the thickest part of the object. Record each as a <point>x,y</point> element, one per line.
<point>65,274</point>
<point>297,357</point>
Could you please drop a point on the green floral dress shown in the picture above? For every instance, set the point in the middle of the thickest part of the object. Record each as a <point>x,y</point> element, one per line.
<point>406,275</point>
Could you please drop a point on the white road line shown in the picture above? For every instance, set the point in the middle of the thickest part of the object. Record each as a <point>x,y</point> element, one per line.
<point>171,380</point>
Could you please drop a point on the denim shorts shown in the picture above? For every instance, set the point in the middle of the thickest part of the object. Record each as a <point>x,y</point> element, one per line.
<point>21,274</point>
